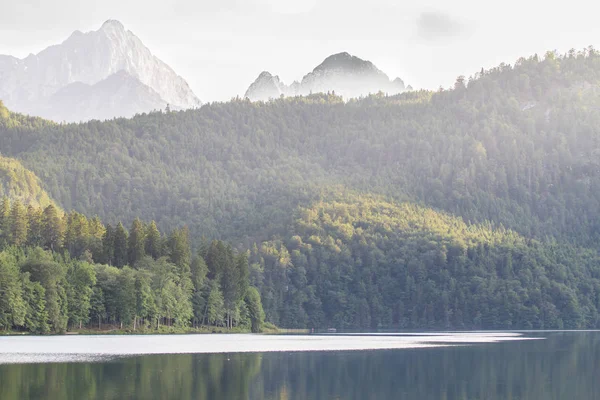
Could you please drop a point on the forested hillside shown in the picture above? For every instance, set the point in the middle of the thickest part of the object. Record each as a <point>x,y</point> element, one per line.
<point>18,183</point>
<point>60,271</point>
<point>506,164</point>
<point>363,262</point>
<point>517,145</point>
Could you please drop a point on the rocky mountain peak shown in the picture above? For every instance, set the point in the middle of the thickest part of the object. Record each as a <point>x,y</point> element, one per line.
<point>345,62</point>
<point>265,75</point>
<point>343,73</point>
<point>112,24</point>
<point>28,85</point>
<point>265,87</point>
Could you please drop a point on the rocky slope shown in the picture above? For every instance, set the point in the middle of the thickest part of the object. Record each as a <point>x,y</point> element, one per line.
<point>344,74</point>
<point>81,72</point>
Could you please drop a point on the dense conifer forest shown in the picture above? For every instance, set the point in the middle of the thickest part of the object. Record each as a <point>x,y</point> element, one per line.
<point>472,207</point>
<point>61,271</point>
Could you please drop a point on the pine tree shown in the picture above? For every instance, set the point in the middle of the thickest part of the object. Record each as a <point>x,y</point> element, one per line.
<point>136,244</point>
<point>12,307</point>
<point>96,234</point>
<point>120,246</point>
<point>199,271</point>
<point>97,306</point>
<point>34,216</point>
<point>76,233</point>
<point>243,274</point>
<point>81,277</point>
<point>216,259</point>
<point>145,304</point>
<point>179,249</point>
<point>5,220</point>
<point>215,306</point>
<point>52,228</point>
<point>230,280</point>
<point>255,309</point>
<point>51,275</point>
<point>153,241</point>
<point>108,245</point>
<point>180,255</point>
<point>34,295</point>
<point>96,228</point>
<point>19,224</point>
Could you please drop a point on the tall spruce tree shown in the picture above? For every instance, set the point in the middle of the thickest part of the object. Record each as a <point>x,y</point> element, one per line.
<point>108,245</point>
<point>5,220</point>
<point>52,229</point>
<point>120,246</point>
<point>136,243</point>
<point>180,253</point>
<point>34,217</point>
<point>153,241</point>
<point>19,224</point>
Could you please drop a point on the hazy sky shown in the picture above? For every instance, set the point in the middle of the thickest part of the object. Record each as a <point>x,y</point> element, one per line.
<point>220,47</point>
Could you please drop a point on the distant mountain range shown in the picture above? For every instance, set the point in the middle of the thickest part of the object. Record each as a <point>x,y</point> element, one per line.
<point>95,75</point>
<point>110,73</point>
<point>344,74</point>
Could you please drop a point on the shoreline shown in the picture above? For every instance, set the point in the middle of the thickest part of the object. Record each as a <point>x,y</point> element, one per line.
<point>205,330</point>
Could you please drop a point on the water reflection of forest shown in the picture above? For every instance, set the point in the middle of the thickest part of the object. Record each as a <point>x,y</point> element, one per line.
<point>561,366</point>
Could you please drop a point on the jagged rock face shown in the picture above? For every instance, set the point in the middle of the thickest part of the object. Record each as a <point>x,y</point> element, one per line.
<point>266,87</point>
<point>118,95</point>
<point>342,73</point>
<point>33,84</point>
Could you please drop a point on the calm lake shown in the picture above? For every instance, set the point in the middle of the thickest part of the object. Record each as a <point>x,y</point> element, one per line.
<point>552,365</point>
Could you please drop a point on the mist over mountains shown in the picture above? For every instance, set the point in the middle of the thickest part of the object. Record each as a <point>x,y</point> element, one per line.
<point>344,74</point>
<point>110,73</point>
<point>95,75</point>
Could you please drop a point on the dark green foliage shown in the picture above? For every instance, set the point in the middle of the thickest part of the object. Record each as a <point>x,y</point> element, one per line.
<point>36,316</point>
<point>257,315</point>
<point>506,163</point>
<point>82,278</point>
<point>179,249</point>
<point>51,275</point>
<point>154,244</point>
<point>120,251</point>
<point>19,224</point>
<point>108,246</point>
<point>516,145</point>
<point>363,262</point>
<point>51,290</point>
<point>34,222</point>
<point>137,242</point>
<point>52,228</point>
<point>5,221</point>
<point>12,306</point>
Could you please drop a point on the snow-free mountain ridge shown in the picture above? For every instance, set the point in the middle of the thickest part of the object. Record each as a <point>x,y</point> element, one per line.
<point>99,74</point>
<point>342,73</point>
